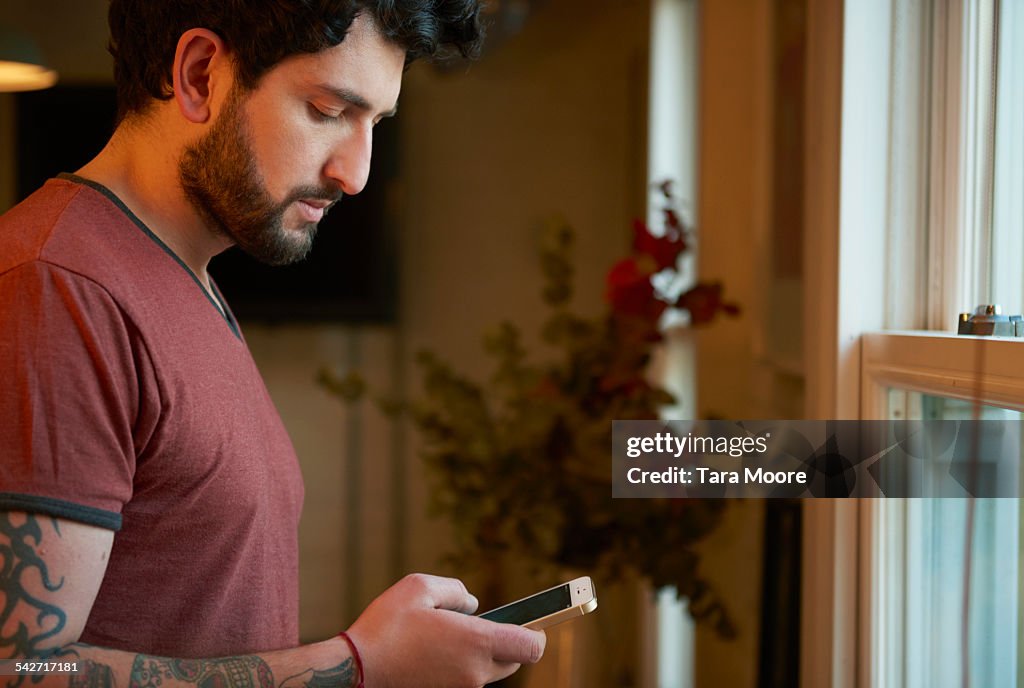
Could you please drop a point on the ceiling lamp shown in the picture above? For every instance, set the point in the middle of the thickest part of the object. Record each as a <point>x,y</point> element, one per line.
<point>21,64</point>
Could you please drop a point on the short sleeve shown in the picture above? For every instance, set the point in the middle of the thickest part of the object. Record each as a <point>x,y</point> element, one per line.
<point>69,397</point>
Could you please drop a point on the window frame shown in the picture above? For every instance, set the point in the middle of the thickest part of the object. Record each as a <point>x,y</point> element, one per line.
<point>979,369</point>
<point>849,357</point>
<point>982,370</point>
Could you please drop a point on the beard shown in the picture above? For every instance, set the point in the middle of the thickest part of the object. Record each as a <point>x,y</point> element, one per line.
<point>219,177</point>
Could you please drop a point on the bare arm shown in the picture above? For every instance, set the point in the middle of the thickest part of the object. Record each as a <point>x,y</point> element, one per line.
<point>319,665</point>
<point>417,633</point>
<point>50,572</point>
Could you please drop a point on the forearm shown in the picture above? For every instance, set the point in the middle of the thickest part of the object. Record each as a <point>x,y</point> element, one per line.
<point>419,632</point>
<point>327,664</point>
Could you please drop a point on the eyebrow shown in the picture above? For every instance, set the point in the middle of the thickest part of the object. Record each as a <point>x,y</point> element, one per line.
<point>352,98</point>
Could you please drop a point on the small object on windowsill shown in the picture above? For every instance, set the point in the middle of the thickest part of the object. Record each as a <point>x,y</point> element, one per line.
<point>988,321</point>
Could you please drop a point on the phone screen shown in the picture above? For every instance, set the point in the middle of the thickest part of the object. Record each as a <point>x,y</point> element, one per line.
<point>533,607</point>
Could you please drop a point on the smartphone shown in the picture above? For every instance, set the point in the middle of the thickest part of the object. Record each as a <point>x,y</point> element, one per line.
<point>549,607</point>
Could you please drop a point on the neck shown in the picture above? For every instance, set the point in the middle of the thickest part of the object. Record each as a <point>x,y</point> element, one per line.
<point>144,174</point>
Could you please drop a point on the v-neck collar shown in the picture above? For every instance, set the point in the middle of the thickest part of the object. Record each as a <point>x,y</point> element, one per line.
<point>221,309</point>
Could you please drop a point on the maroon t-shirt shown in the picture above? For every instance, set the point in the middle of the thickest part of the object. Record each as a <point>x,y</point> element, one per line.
<point>130,402</point>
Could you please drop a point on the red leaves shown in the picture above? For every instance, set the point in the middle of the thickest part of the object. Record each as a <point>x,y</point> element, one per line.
<point>704,302</point>
<point>629,289</point>
<point>630,292</point>
<point>664,250</point>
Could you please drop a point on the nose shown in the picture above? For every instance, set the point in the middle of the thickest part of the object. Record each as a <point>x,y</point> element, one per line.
<point>349,161</point>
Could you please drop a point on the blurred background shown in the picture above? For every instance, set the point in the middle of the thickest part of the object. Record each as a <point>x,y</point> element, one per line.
<point>576,109</point>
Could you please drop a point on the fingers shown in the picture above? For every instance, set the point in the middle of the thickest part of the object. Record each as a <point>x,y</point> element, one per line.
<point>518,645</point>
<point>421,632</point>
<point>503,670</point>
<point>444,593</point>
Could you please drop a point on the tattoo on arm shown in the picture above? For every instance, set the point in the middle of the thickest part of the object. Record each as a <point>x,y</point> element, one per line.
<point>229,672</point>
<point>247,671</point>
<point>19,563</point>
<point>342,675</point>
<point>92,675</point>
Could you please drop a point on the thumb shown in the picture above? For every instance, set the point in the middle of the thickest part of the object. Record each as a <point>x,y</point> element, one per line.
<point>517,644</point>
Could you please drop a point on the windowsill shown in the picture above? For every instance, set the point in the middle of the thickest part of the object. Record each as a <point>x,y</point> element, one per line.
<point>983,369</point>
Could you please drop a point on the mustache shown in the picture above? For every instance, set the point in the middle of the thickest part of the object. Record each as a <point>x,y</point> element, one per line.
<point>317,192</point>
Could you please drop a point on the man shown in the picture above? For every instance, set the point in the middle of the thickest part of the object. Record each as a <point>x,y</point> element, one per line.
<point>149,496</point>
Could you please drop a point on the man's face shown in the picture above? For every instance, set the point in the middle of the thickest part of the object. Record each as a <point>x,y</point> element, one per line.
<point>278,156</point>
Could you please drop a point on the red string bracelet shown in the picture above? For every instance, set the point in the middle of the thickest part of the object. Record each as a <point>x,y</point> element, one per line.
<point>355,655</point>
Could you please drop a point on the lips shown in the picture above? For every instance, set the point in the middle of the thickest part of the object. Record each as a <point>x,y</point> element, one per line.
<point>313,209</point>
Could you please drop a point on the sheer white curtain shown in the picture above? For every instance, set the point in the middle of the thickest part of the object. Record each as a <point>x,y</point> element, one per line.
<point>1008,198</point>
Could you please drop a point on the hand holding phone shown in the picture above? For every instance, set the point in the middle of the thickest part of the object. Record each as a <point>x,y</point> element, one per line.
<point>548,607</point>
<point>409,637</point>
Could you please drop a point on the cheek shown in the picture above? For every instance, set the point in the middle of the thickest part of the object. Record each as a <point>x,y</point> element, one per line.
<point>286,153</point>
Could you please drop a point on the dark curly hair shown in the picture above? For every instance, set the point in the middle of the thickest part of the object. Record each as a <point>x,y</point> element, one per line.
<point>261,33</point>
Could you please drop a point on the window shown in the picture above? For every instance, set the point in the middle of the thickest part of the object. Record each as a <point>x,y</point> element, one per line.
<point>915,215</point>
<point>943,576</point>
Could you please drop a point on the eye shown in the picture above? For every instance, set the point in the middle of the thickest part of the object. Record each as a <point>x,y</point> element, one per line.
<point>322,116</point>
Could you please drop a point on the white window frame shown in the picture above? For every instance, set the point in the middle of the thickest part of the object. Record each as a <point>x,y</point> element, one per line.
<point>978,369</point>
<point>828,638</point>
<point>981,370</point>
<point>849,359</point>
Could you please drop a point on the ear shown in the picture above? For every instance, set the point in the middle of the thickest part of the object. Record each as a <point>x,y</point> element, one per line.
<point>200,62</point>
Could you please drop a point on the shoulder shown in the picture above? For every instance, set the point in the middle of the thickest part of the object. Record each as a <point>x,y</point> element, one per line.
<point>26,229</point>
<point>75,227</point>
